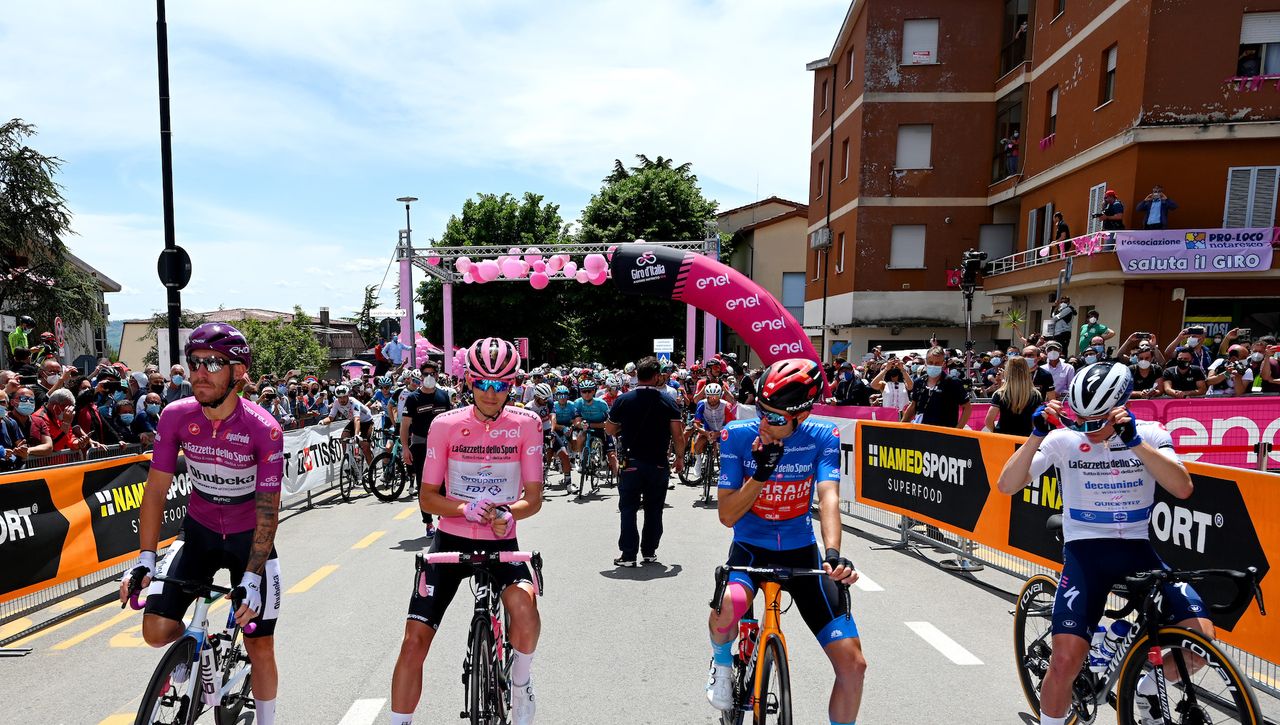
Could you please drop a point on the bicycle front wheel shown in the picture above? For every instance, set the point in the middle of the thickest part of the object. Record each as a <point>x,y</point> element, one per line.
<point>347,477</point>
<point>166,702</point>
<point>1203,684</point>
<point>482,684</point>
<point>1033,638</point>
<point>233,659</point>
<point>773,702</point>
<point>389,474</point>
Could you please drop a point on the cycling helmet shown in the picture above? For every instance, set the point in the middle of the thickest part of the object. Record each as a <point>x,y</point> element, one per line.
<point>1098,388</point>
<point>411,376</point>
<point>587,386</point>
<point>792,385</point>
<point>715,361</point>
<point>629,368</point>
<point>26,320</point>
<point>341,390</point>
<point>384,381</point>
<point>713,389</point>
<point>221,338</point>
<point>611,382</point>
<point>561,390</point>
<point>542,390</point>
<point>46,337</point>
<point>492,358</point>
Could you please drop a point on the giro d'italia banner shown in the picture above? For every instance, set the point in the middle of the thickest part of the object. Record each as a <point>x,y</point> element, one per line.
<point>947,477</point>
<point>1195,251</point>
<point>695,279</point>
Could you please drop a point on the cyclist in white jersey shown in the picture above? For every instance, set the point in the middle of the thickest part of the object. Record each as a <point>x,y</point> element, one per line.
<point>1108,467</point>
<point>358,415</point>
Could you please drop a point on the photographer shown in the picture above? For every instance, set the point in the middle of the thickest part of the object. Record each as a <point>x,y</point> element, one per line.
<point>1155,208</point>
<point>1230,375</point>
<point>1192,339</point>
<point>1112,213</point>
<point>894,385</point>
<point>1140,339</point>
<point>1184,379</point>
<point>1063,313</point>
<point>1147,373</point>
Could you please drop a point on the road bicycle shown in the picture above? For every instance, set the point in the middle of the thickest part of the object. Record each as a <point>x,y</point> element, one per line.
<point>354,470</point>
<point>215,662</point>
<point>486,667</point>
<point>709,470</point>
<point>593,464</point>
<point>761,676</point>
<point>1197,682</point>
<point>388,473</point>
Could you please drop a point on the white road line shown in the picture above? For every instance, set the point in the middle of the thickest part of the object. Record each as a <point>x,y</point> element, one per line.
<point>866,584</point>
<point>944,644</point>
<point>363,712</point>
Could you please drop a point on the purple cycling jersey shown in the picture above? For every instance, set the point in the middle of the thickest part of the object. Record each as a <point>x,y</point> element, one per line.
<point>228,461</point>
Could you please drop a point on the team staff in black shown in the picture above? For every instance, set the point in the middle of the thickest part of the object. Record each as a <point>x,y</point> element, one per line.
<point>648,421</point>
<point>420,408</point>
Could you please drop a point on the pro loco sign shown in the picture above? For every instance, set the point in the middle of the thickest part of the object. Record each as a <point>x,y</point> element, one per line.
<point>1195,251</point>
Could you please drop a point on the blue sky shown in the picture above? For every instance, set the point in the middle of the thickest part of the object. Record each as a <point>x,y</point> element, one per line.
<point>297,124</point>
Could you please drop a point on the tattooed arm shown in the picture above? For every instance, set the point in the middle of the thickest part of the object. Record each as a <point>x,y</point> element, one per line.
<point>264,533</point>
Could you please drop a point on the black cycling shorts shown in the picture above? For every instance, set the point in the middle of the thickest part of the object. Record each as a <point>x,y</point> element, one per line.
<point>197,556</point>
<point>817,598</point>
<point>443,580</point>
<point>363,430</point>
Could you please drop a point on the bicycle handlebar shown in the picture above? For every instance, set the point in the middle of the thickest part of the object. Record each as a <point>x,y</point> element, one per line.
<point>483,558</point>
<point>772,574</point>
<point>1246,582</point>
<point>196,588</point>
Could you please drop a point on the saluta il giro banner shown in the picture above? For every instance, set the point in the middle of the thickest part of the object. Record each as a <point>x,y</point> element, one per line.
<point>1195,251</point>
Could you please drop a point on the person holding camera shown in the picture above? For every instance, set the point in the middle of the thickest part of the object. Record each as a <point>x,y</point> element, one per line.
<point>894,385</point>
<point>1230,374</point>
<point>1112,212</point>
<point>1192,339</point>
<point>1147,372</point>
<point>1140,339</point>
<point>1155,208</point>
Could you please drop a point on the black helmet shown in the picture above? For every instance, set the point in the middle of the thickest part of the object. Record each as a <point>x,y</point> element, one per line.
<point>26,320</point>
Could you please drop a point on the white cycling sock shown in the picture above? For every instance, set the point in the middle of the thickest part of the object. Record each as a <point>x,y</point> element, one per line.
<point>399,718</point>
<point>1046,720</point>
<point>1147,685</point>
<point>264,712</point>
<point>520,663</point>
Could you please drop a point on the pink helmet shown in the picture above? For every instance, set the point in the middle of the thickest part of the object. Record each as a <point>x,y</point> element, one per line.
<point>492,358</point>
<point>220,337</point>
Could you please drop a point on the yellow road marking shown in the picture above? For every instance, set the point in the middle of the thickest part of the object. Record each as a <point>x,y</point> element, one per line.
<point>312,579</point>
<point>51,630</point>
<point>366,541</point>
<point>18,625</point>
<point>66,604</point>
<point>1263,678</point>
<point>125,719</point>
<point>97,628</point>
<point>406,513</point>
<point>15,626</point>
<point>131,637</point>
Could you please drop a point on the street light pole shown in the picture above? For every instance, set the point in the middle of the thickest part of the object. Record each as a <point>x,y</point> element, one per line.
<point>174,301</point>
<point>406,282</point>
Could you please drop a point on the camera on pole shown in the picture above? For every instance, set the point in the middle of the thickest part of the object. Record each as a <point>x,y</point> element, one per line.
<point>974,265</point>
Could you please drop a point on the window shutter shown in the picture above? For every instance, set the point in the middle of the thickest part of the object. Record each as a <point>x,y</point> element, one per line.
<point>920,41</point>
<point>1260,28</point>
<point>915,146</point>
<point>906,246</point>
<point>1262,209</point>
<point>1048,223</point>
<point>1096,196</point>
<point>1235,213</point>
<point>1033,228</point>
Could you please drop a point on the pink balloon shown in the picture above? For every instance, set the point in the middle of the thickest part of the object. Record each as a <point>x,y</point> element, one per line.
<point>539,280</point>
<point>532,254</point>
<point>594,263</point>
<point>514,251</point>
<point>539,266</point>
<point>554,263</point>
<point>600,278</point>
<point>489,270</point>
<point>462,264</point>
<point>433,261</point>
<point>582,276</point>
<point>511,268</point>
<point>570,268</point>
<point>467,278</point>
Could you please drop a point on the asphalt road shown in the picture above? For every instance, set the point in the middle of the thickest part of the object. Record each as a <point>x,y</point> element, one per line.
<point>618,645</point>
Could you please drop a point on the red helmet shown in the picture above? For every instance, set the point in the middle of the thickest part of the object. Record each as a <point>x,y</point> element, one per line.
<point>493,358</point>
<point>792,385</point>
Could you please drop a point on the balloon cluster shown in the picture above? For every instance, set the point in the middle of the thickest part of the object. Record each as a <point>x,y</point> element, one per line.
<point>532,265</point>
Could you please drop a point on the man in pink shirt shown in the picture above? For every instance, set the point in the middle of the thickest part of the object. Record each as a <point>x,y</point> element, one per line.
<point>482,473</point>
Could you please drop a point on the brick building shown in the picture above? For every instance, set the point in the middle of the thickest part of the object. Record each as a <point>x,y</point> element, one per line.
<point>941,126</point>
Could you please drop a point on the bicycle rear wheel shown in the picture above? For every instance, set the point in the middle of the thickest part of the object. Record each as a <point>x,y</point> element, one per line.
<point>774,704</point>
<point>389,475</point>
<point>1033,638</point>
<point>166,702</point>
<point>1209,686</point>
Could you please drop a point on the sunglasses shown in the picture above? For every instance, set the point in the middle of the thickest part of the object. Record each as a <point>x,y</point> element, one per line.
<point>1085,426</point>
<point>492,386</point>
<point>209,362</point>
<point>562,396</point>
<point>772,418</point>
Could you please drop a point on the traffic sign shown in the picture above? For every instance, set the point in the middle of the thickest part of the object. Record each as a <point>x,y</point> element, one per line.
<point>391,312</point>
<point>664,357</point>
<point>389,327</point>
<point>174,268</point>
<point>664,344</point>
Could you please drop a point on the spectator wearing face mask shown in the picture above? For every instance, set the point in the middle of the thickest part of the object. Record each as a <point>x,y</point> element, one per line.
<point>107,390</point>
<point>1095,352</point>
<point>122,419</point>
<point>937,399</point>
<point>178,387</point>
<point>1040,378</point>
<point>22,404</point>
<point>1058,368</point>
<point>1192,339</point>
<point>894,385</point>
<point>1091,329</point>
<point>90,417</point>
<point>147,417</point>
<point>1264,360</point>
<point>277,406</point>
<point>851,388</point>
<point>989,379</point>
<point>52,377</point>
<point>1148,379</point>
<point>13,443</point>
<point>1184,379</point>
<point>51,428</point>
<point>1230,374</point>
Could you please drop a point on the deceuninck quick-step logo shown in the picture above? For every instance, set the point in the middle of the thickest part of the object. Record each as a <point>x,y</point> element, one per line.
<point>944,469</point>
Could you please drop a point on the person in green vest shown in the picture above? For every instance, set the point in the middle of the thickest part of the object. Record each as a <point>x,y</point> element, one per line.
<point>18,338</point>
<point>1091,329</point>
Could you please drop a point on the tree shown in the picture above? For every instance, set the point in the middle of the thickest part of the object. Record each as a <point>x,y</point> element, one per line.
<point>159,324</point>
<point>280,346</point>
<point>365,324</point>
<point>39,278</point>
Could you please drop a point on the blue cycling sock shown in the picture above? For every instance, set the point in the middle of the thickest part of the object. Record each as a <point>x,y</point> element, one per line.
<point>851,722</point>
<point>722,654</point>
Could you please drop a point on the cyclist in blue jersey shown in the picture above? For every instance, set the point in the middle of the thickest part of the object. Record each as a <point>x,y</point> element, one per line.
<point>563,413</point>
<point>1109,465</point>
<point>591,415</point>
<point>770,469</point>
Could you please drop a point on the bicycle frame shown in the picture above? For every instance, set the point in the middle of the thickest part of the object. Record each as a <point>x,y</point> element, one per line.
<point>770,625</point>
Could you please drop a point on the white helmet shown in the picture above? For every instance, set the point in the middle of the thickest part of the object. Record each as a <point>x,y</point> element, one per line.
<point>713,389</point>
<point>1098,388</point>
<point>342,390</point>
<point>629,368</point>
<point>542,390</point>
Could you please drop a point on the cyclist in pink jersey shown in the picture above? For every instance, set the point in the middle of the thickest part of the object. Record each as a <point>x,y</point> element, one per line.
<point>234,453</point>
<point>482,473</point>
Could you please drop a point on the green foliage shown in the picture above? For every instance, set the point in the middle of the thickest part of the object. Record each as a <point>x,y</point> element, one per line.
<point>159,323</point>
<point>365,324</point>
<point>280,346</point>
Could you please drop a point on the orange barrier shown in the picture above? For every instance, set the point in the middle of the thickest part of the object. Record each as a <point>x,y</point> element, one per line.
<point>947,477</point>
<point>64,522</point>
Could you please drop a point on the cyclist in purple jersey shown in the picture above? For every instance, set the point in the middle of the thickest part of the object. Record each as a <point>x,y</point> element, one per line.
<point>234,453</point>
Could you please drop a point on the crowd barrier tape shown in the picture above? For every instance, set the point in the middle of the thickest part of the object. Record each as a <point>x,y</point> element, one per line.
<point>63,522</point>
<point>947,477</point>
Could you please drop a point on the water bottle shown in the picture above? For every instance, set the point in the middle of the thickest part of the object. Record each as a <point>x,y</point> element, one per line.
<point>1115,635</point>
<point>748,632</point>
<point>1098,655</point>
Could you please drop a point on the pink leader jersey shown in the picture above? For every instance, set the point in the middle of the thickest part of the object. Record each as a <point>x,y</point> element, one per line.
<point>228,461</point>
<point>476,459</point>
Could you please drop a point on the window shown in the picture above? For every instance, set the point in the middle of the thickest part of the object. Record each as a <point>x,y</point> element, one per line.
<point>844,154</point>
<point>1016,35</point>
<point>822,102</point>
<point>1006,159</point>
<point>1059,7</point>
<point>818,264</point>
<point>848,62</point>
<point>1097,196</point>
<point>906,247</point>
<point>996,240</point>
<point>1259,45</point>
<point>840,254</point>
<point>920,42</point>
<point>1033,228</point>
<point>1108,91</point>
<point>1051,125</point>
<point>793,294</point>
<point>822,178</point>
<point>915,143</point>
<point>1251,196</point>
